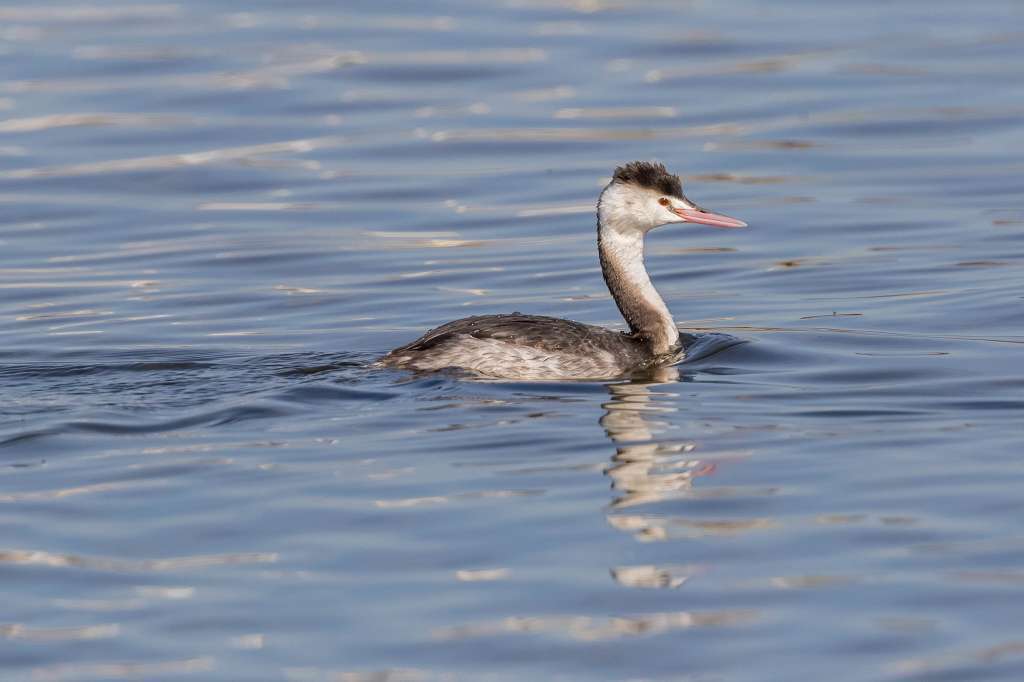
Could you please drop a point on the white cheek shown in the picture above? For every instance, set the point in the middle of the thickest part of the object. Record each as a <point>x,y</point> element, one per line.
<point>643,213</point>
<point>628,209</point>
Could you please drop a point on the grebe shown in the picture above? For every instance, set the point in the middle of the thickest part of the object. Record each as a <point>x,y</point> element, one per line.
<point>641,196</point>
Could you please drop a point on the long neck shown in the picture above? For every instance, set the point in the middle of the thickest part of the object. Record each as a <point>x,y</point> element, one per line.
<point>622,263</point>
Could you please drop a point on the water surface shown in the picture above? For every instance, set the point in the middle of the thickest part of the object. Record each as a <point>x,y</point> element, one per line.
<point>215,218</point>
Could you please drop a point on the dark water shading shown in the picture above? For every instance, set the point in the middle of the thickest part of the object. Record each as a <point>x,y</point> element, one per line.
<point>214,218</point>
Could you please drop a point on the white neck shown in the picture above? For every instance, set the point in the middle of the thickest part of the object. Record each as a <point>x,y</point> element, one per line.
<point>621,247</point>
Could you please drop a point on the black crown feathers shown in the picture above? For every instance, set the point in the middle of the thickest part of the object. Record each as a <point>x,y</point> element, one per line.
<point>651,175</point>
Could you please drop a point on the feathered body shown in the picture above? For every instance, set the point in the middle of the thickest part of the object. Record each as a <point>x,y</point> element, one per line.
<point>529,347</point>
<point>640,197</point>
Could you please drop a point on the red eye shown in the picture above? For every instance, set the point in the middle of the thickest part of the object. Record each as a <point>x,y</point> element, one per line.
<point>664,202</point>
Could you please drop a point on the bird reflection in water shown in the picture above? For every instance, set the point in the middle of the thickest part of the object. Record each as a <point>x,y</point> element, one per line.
<point>644,470</point>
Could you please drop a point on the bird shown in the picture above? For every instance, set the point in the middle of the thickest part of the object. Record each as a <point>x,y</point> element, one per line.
<point>641,196</point>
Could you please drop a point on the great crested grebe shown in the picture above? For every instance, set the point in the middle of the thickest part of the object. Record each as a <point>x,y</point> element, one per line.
<point>641,196</point>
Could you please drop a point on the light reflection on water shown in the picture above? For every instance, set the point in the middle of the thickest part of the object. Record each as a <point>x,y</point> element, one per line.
<point>215,219</point>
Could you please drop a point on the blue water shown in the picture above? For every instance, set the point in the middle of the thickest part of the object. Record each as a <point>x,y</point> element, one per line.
<point>216,216</point>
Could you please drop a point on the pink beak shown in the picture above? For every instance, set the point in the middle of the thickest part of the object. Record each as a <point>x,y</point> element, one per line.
<point>699,215</point>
